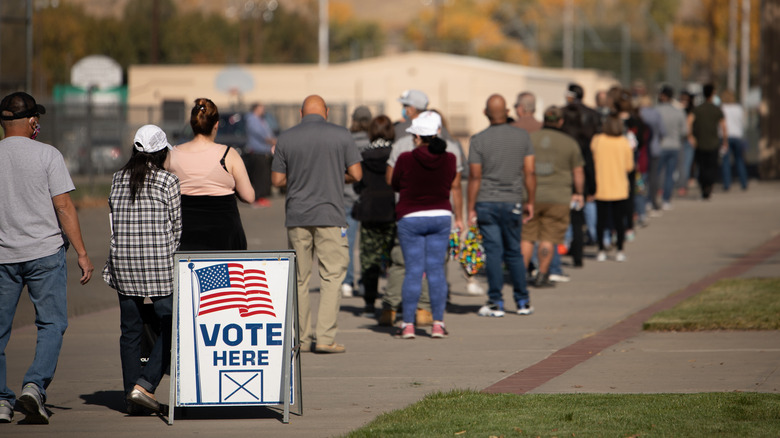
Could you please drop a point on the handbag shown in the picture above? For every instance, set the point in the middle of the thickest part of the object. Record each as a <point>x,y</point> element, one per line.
<point>472,253</point>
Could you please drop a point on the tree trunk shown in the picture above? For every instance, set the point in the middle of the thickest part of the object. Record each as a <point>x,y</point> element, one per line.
<point>769,145</point>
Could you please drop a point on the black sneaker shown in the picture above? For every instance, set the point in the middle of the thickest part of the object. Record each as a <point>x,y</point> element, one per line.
<point>543,280</point>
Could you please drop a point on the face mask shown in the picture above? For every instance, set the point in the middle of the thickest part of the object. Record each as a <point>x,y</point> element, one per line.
<point>716,100</point>
<point>36,131</point>
<point>403,113</point>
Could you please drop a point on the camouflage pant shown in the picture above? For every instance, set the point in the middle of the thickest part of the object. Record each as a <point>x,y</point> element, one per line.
<point>376,239</point>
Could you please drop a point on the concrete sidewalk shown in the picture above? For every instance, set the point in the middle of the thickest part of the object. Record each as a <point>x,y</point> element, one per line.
<point>379,373</point>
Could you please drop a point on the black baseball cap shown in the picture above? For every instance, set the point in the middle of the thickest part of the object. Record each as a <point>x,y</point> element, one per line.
<point>18,106</point>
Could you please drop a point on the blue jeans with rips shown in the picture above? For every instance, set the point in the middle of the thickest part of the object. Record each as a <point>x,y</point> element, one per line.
<point>132,326</point>
<point>46,280</point>
<point>424,242</point>
<point>500,224</point>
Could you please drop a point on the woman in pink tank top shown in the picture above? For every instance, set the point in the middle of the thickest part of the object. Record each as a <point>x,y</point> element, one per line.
<point>211,176</point>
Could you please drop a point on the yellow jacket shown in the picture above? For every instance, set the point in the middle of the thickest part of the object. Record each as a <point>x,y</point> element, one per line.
<point>612,159</point>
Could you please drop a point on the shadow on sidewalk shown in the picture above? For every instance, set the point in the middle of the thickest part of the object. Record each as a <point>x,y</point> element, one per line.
<point>114,400</point>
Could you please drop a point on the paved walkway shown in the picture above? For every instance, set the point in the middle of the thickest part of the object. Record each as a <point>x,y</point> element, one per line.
<point>583,337</point>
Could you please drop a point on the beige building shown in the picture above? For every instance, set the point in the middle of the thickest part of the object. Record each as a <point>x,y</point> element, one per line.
<point>456,85</point>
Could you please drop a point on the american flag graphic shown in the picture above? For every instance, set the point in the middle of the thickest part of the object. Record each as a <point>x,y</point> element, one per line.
<point>230,286</point>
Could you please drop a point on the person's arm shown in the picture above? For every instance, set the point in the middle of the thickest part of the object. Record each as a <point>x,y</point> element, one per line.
<point>235,165</point>
<point>278,179</point>
<point>457,201</point>
<point>69,221</point>
<point>691,138</point>
<point>529,170</point>
<point>725,146</point>
<point>174,209</point>
<point>354,173</point>
<point>578,174</point>
<point>389,175</point>
<point>472,190</point>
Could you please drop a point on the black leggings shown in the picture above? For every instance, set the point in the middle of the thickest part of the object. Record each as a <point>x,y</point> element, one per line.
<point>611,213</point>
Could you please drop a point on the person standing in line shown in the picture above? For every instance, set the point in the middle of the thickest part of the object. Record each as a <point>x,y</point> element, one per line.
<point>686,156</point>
<point>145,221</point>
<point>314,160</point>
<point>424,178</point>
<point>676,129</point>
<point>412,100</point>
<point>559,168</point>
<point>36,213</point>
<point>653,120</point>
<point>501,163</point>
<point>735,125</point>
<point>613,158</point>
<point>525,107</point>
<point>375,209</point>
<point>582,123</point>
<point>210,176</point>
<point>361,119</point>
<point>706,125</point>
<point>259,152</point>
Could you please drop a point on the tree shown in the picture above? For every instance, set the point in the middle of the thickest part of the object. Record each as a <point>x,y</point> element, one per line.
<point>350,38</point>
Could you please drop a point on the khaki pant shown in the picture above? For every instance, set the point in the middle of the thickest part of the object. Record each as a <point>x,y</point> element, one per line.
<point>331,247</point>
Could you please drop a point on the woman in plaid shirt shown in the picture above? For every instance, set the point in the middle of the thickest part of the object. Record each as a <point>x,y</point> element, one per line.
<point>145,230</point>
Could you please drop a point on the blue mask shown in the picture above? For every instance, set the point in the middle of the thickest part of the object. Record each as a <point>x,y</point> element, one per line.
<point>403,113</point>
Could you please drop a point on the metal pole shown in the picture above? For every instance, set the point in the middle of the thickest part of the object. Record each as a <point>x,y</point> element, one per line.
<point>744,74</point>
<point>568,34</point>
<point>323,34</point>
<point>29,25</point>
<point>731,80</point>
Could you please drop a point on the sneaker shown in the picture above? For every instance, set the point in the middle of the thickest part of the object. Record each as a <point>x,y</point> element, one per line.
<point>666,206</point>
<point>423,318</point>
<point>406,331</point>
<point>387,318</point>
<point>525,309</point>
<point>543,280</point>
<point>560,278</point>
<point>620,257</point>
<point>6,411</point>
<point>474,288</point>
<point>439,331</point>
<point>655,213</point>
<point>346,290</point>
<point>494,310</point>
<point>31,402</point>
<point>261,203</point>
<point>601,257</point>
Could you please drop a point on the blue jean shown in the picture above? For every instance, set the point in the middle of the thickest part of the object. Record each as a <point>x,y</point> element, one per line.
<point>500,224</point>
<point>590,219</point>
<point>686,161</point>
<point>668,166</point>
<point>736,150</point>
<point>352,230</point>
<point>132,326</point>
<point>46,279</point>
<point>424,241</point>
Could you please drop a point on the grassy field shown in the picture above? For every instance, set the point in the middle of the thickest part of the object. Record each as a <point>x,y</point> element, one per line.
<point>473,414</point>
<point>731,304</point>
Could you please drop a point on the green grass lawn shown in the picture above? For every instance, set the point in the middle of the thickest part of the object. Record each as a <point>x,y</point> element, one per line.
<point>474,414</point>
<point>731,304</point>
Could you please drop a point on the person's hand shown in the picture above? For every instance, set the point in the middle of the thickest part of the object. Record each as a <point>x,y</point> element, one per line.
<point>459,227</point>
<point>578,201</point>
<point>86,268</point>
<point>472,217</point>
<point>528,210</point>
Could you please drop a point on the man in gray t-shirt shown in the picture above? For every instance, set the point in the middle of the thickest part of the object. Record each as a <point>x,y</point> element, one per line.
<point>35,211</point>
<point>314,159</point>
<point>501,163</point>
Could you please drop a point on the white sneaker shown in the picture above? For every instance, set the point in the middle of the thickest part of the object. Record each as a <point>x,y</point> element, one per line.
<point>491,310</point>
<point>666,206</point>
<point>31,402</point>
<point>526,309</point>
<point>346,290</point>
<point>474,288</point>
<point>6,412</point>
<point>620,257</point>
<point>559,278</point>
<point>601,257</point>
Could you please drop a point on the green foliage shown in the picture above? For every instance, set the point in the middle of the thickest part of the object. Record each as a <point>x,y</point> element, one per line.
<point>731,304</point>
<point>471,414</point>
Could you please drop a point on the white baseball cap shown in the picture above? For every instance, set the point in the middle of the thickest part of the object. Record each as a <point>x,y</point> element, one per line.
<point>426,124</point>
<point>150,139</point>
